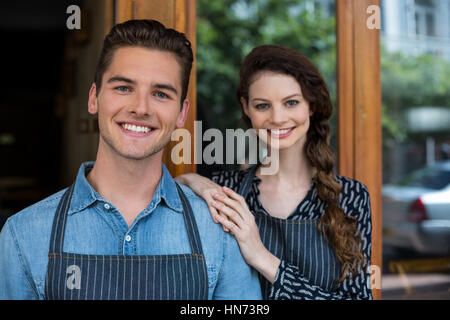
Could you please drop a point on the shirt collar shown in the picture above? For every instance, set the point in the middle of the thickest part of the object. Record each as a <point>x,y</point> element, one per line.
<point>167,191</point>
<point>84,195</point>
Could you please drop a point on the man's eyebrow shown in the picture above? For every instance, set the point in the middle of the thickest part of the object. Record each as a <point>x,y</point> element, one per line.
<point>166,87</point>
<point>121,79</point>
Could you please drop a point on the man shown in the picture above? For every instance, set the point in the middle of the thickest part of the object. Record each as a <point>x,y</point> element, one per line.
<point>125,229</point>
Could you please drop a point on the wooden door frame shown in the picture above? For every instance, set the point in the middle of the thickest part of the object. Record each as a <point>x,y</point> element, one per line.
<point>359,110</point>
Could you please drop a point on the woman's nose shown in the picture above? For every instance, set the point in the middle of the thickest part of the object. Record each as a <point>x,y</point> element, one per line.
<point>278,115</point>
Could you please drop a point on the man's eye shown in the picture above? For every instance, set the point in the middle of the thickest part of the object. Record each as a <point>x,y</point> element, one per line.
<point>161,95</point>
<point>292,103</point>
<point>123,89</point>
<point>261,106</point>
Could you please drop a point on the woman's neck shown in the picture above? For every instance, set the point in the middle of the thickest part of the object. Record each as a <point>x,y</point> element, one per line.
<point>294,168</point>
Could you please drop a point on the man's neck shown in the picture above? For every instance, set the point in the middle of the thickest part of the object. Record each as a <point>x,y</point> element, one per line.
<point>128,184</point>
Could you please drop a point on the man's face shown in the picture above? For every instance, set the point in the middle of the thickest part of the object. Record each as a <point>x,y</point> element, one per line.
<point>138,104</point>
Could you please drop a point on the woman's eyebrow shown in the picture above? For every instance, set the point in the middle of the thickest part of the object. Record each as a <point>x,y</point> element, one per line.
<point>287,97</point>
<point>259,99</point>
<point>292,95</point>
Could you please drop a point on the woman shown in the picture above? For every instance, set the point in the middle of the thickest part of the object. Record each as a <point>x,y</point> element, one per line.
<point>304,229</point>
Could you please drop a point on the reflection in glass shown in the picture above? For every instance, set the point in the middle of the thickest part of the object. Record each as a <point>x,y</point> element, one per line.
<point>415,62</point>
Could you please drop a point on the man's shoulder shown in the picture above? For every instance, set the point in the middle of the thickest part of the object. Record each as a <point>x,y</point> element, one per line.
<point>200,209</point>
<point>197,203</point>
<point>38,213</point>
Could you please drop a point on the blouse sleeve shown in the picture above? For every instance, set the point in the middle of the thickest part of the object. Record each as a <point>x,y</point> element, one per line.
<point>291,284</point>
<point>230,179</point>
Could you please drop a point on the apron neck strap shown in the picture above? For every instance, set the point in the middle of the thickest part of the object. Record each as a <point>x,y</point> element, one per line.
<point>191,225</point>
<point>59,223</point>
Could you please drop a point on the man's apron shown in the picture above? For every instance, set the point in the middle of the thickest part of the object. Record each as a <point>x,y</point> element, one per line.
<point>110,277</point>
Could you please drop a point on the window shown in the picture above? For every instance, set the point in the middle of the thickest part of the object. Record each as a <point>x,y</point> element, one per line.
<point>430,24</point>
<point>425,17</point>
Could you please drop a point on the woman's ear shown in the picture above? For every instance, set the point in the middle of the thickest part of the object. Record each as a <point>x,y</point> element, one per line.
<point>244,106</point>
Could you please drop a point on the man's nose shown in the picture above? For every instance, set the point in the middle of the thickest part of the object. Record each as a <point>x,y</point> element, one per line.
<point>141,105</point>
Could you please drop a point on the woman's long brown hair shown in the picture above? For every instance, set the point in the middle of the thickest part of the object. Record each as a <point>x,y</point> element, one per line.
<point>338,229</point>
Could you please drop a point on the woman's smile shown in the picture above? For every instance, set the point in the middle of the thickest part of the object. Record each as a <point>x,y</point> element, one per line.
<point>280,133</point>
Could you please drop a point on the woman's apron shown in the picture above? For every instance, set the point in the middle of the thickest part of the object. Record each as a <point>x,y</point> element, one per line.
<point>110,277</point>
<point>298,243</point>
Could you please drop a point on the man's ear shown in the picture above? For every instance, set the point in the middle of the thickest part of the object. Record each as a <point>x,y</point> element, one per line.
<point>183,114</point>
<point>92,102</point>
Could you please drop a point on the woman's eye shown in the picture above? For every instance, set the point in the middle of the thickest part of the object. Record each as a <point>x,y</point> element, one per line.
<point>292,103</point>
<point>261,106</point>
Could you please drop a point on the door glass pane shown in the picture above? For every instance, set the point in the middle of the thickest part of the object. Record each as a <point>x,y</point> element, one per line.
<point>34,74</point>
<point>416,149</point>
<point>228,30</point>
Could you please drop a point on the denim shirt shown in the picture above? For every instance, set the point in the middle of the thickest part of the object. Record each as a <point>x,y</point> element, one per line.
<point>94,226</point>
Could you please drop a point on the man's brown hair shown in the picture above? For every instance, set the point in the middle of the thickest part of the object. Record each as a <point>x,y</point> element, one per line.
<point>149,34</point>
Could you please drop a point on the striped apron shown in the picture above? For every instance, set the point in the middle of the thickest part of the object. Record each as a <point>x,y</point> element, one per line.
<point>111,277</point>
<point>298,243</point>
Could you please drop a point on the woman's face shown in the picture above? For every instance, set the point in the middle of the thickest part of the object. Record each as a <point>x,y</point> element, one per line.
<point>276,105</point>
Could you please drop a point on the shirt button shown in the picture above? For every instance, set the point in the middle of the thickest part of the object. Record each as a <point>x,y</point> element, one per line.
<point>128,238</point>
<point>107,206</point>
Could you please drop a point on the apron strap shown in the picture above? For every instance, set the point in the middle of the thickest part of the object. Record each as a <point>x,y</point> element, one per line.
<point>59,222</point>
<point>247,182</point>
<point>191,225</point>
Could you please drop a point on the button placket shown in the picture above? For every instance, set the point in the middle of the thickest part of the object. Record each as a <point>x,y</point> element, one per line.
<point>129,243</point>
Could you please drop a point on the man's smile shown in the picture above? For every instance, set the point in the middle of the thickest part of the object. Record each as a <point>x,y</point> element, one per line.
<point>136,129</point>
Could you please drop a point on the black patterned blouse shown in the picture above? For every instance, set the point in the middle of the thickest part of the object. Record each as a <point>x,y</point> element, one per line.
<point>308,270</point>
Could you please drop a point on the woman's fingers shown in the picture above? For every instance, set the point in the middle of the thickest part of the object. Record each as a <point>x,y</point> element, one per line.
<point>228,224</point>
<point>209,200</point>
<point>234,205</point>
<point>213,212</point>
<point>229,212</point>
<point>233,195</point>
<point>239,202</point>
<point>216,215</point>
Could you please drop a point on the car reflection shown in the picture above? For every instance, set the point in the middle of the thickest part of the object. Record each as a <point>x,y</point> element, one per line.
<point>416,211</point>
